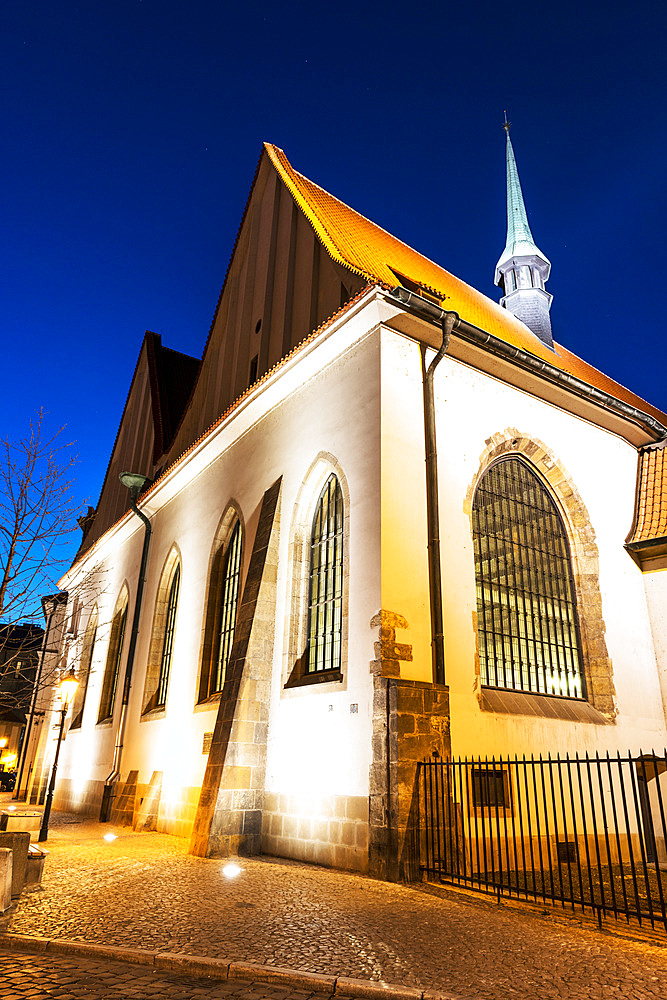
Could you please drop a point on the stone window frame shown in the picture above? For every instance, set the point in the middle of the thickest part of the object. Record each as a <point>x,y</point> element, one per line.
<point>85,664</point>
<point>585,563</point>
<point>114,658</point>
<point>172,562</point>
<point>211,620</point>
<point>294,676</point>
<point>537,566</point>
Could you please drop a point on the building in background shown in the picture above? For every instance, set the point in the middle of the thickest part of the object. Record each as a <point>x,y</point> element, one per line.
<point>20,646</point>
<point>293,613</point>
<point>39,738</point>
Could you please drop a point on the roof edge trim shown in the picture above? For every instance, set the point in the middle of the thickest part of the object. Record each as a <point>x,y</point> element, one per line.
<point>356,300</point>
<point>428,311</point>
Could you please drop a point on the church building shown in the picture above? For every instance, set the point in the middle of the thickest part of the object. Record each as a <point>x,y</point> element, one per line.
<point>382,516</point>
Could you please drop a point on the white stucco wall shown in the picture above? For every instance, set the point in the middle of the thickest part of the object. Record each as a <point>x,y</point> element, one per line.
<point>655,583</point>
<point>354,399</point>
<point>319,742</point>
<point>471,407</point>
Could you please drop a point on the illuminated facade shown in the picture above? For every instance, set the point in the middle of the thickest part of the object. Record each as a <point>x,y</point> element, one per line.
<point>279,688</point>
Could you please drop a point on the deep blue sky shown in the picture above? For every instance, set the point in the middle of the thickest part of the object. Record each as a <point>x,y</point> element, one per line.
<point>131,130</point>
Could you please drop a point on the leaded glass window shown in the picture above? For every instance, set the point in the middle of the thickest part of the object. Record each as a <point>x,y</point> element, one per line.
<point>526,610</point>
<point>228,603</point>
<point>221,607</point>
<point>112,670</point>
<point>326,581</point>
<point>84,672</point>
<point>165,662</point>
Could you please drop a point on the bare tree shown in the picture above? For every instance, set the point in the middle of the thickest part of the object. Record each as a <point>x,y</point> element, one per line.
<point>37,517</point>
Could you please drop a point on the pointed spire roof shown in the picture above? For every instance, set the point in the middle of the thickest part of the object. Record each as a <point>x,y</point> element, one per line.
<point>520,241</point>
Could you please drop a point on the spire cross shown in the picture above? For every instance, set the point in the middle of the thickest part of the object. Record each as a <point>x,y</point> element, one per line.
<point>506,125</point>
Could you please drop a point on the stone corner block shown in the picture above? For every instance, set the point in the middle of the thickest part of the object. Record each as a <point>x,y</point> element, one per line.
<point>6,868</point>
<point>389,619</point>
<point>18,842</point>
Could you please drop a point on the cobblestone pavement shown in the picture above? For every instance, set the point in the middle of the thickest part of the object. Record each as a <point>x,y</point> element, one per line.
<point>144,890</point>
<point>42,977</point>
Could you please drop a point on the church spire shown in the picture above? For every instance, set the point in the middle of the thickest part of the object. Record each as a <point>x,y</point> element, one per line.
<point>523,269</point>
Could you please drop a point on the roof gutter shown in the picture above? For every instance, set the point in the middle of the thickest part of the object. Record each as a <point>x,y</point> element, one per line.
<point>114,774</point>
<point>434,314</point>
<point>447,322</point>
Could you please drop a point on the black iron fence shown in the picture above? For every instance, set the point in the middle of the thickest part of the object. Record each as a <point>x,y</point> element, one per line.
<point>588,832</point>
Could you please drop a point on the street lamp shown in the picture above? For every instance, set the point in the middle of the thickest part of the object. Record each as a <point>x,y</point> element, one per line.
<point>68,687</point>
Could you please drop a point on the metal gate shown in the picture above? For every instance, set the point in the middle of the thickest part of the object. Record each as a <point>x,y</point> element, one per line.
<point>586,831</point>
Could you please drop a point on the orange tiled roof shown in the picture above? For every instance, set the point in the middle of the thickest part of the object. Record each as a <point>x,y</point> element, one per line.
<point>651,515</point>
<point>360,245</point>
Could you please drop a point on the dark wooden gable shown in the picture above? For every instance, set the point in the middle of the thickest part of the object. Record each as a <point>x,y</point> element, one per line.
<point>160,387</point>
<point>280,285</point>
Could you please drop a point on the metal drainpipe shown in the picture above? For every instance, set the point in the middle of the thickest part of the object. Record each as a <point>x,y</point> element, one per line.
<point>107,795</point>
<point>432,313</point>
<point>432,510</point>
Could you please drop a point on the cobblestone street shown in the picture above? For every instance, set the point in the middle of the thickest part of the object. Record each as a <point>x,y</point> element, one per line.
<point>145,891</point>
<point>38,977</point>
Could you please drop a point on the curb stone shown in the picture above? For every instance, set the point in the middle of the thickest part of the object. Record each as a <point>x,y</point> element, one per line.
<point>136,956</point>
<point>225,968</point>
<point>288,977</point>
<point>213,968</point>
<point>372,991</point>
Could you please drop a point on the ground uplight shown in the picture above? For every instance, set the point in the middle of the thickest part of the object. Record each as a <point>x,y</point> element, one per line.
<point>109,837</point>
<point>231,870</point>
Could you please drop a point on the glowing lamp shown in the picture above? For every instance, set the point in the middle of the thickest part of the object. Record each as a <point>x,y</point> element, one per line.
<point>68,686</point>
<point>4,740</point>
<point>231,870</point>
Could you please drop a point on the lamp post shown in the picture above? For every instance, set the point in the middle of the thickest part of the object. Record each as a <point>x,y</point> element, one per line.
<point>68,687</point>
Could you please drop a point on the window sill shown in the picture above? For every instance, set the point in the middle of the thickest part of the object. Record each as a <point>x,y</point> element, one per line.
<point>506,702</point>
<point>319,677</point>
<point>154,713</point>
<point>211,702</point>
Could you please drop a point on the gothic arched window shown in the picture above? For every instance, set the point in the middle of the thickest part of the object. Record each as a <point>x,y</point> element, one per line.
<point>325,594</point>
<point>114,657</point>
<point>526,610</point>
<point>162,641</point>
<point>221,615</point>
<point>84,671</point>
